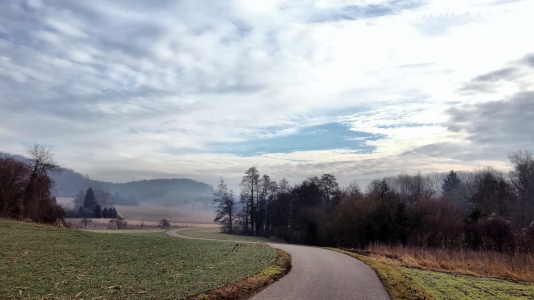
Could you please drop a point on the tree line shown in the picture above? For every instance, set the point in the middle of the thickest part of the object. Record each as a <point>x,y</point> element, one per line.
<point>25,188</point>
<point>89,205</point>
<point>26,192</point>
<point>484,209</point>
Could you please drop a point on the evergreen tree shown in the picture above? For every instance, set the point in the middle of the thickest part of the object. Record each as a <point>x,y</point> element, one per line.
<point>98,212</point>
<point>113,213</point>
<point>90,200</point>
<point>105,214</point>
<point>451,182</point>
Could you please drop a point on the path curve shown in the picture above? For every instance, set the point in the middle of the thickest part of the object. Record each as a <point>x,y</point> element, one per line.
<point>318,274</point>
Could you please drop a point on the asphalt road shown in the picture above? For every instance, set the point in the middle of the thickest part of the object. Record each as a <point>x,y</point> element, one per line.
<point>319,274</point>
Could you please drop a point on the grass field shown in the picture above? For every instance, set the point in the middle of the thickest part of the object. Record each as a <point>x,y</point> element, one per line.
<point>39,261</point>
<point>133,232</point>
<point>152,213</point>
<point>449,286</point>
<point>214,233</point>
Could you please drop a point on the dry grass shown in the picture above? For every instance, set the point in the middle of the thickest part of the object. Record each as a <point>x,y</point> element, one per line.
<point>516,266</point>
<point>102,224</point>
<point>174,214</point>
<point>251,285</point>
<point>398,285</point>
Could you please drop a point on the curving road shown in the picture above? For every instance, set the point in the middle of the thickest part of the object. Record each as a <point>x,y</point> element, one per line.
<point>318,274</point>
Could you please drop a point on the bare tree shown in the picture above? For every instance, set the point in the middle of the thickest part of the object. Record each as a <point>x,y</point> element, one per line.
<point>224,199</point>
<point>522,178</point>
<point>163,224</point>
<point>249,185</point>
<point>330,188</point>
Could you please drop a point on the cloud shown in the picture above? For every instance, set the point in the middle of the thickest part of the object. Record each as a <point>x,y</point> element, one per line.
<point>127,89</point>
<point>518,75</point>
<point>356,12</point>
<point>491,129</point>
<point>504,125</point>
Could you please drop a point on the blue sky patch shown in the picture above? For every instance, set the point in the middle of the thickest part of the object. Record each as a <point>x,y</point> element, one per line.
<point>322,137</point>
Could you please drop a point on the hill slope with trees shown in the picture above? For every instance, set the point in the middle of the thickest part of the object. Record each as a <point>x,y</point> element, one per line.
<point>167,192</point>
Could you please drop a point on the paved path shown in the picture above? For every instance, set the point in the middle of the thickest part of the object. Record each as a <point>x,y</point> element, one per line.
<point>319,274</point>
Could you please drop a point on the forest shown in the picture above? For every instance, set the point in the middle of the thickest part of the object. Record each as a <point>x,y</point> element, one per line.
<point>484,209</point>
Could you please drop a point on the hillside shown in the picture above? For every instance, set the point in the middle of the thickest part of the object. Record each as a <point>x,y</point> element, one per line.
<point>166,192</point>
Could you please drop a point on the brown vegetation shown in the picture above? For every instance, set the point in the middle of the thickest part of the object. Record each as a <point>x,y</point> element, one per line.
<point>484,210</point>
<point>251,285</point>
<point>25,188</point>
<point>509,266</point>
<point>398,285</point>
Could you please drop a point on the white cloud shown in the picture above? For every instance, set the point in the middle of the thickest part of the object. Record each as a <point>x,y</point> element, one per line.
<point>146,86</point>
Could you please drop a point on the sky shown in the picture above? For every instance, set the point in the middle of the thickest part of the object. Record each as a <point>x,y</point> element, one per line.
<point>130,90</point>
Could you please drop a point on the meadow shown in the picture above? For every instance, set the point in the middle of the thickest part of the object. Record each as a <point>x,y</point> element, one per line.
<point>216,234</point>
<point>38,261</point>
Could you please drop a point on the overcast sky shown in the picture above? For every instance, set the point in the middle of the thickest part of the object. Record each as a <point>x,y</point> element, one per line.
<point>130,90</point>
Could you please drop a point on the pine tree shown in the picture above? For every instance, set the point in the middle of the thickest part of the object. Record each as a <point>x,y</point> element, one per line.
<point>451,182</point>
<point>90,200</point>
<point>105,214</point>
<point>98,212</point>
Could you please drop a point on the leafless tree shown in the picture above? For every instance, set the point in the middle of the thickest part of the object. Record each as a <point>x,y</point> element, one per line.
<point>225,203</point>
<point>522,178</point>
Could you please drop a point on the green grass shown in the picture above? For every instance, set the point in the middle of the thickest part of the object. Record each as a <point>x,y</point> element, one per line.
<point>214,233</point>
<point>42,261</point>
<point>133,232</point>
<point>398,284</point>
<point>448,286</point>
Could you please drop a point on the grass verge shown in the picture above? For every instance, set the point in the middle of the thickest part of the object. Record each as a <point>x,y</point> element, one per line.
<point>251,285</point>
<point>450,286</point>
<point>398,284</point>
<point>403,282</point>
<point>38,262</point>
<point>507,266</point>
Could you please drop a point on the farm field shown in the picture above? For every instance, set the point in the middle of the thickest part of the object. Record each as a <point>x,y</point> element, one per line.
<point>152,214</point>
<point>214,233</point>
<point>174,214</point>
<point>42,261</point>
<point>133,232</point>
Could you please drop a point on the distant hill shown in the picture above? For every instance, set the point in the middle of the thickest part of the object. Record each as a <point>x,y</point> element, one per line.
<point>167,192</point>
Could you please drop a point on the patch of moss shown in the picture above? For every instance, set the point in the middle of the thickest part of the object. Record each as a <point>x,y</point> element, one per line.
<point>271,271</point>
